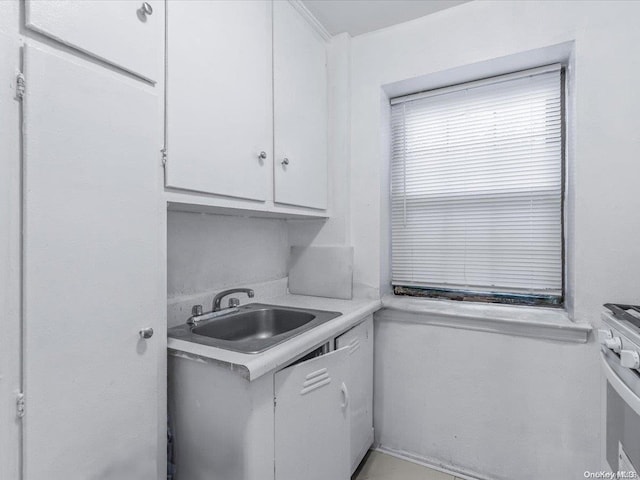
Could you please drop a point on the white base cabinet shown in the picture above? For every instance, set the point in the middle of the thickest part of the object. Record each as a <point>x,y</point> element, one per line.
<point>310,420</point>
<point>359,344</point>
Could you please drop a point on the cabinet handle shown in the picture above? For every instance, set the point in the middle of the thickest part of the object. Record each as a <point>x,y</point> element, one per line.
<point>345,396</point>
<point>146,8</point>
<point>146,332</point>
<point>262,155</point>
<point>285,161</point>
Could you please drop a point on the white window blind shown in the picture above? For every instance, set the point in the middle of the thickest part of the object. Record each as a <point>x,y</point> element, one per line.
<point>476,186</point>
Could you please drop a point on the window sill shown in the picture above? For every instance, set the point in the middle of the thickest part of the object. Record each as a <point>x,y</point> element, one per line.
<point>522,321</point>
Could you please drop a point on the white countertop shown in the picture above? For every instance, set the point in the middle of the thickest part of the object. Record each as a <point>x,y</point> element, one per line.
<point>253,366</point>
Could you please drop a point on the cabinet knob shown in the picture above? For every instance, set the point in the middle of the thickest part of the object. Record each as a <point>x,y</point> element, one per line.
<point>146,8</point>
<point>285,161</point>
<point>262,155</point>
<point>146,332</point>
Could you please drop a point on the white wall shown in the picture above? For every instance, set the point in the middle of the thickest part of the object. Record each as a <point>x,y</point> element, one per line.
<point>604,163</point>
<point>505,407</point>
<point>493,406</point>
<point>335,230</point>
<point>208,253</point>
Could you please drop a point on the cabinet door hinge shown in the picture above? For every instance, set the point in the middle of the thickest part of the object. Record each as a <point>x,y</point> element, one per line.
<point>163,153</point>
<point>21,85</point>
<point>20,407</point>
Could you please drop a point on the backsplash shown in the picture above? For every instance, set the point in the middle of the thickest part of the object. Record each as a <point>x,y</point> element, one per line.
<point>208,253</point>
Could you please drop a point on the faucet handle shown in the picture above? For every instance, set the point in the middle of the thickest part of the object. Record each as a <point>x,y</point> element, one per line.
<point>196,310</point>
<point>234,302</point>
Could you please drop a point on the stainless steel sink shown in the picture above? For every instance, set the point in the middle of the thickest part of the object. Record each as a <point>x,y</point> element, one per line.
<point>253,328</point>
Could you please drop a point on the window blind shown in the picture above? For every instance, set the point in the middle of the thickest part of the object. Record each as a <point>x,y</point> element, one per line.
<point>476,186</point>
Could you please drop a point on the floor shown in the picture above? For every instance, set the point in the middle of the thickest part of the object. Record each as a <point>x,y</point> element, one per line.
<point>378,466</point>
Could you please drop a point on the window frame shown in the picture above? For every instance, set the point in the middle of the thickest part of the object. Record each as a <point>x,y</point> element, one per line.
<point>489,296</point>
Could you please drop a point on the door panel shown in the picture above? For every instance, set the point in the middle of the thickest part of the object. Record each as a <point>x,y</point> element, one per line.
<point>115,31</point>
<point>92,267</point>
<point>219,97</point>
<point>311,419</point>
<point>300,110</point>
<point>359,343</point>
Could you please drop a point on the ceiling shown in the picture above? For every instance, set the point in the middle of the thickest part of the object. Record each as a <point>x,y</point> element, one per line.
<point>362,16</point>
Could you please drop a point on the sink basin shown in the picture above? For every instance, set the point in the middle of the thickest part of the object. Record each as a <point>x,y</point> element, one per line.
<point>253,328</point>
<point>254,324</point>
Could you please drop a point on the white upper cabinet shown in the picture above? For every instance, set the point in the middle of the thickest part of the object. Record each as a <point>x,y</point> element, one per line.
<point>219,97</point>
<point>125,33</point>
<point>300,110</point>
<point>246,107</point>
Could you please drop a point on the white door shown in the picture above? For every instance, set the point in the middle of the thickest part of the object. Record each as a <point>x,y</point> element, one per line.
<point>300,110</point>
<point>359,343</point>
<point>311,419</point>
<point>92,261</point>
<point>219,98</point>
<point>120,32</point>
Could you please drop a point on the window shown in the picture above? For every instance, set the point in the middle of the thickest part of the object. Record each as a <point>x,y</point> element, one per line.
<point>477,190</point>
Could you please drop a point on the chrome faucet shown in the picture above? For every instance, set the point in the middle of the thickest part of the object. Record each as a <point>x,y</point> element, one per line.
<point>217,300</point>
<point>197,315</point>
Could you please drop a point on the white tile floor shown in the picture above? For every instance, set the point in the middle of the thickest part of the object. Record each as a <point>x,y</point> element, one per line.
<point>378,466</point>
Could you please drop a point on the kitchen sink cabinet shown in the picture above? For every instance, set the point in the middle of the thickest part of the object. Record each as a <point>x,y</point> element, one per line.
<point>312,419</point>
<point>291,423</point>
<point>246,108</point>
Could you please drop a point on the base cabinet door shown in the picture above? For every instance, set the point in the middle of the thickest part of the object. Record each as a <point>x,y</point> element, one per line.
<point>92,256</point>
<point>312,419</point>
<point>359,343</point>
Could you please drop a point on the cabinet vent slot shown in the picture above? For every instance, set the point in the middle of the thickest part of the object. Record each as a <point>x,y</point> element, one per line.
<point>316,374</point>
<point>353,346</point>
<point>315,380</point>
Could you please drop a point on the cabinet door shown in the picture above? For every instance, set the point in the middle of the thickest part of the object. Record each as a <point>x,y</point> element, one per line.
<point>92,277</point>
<point>311,420</point>
<point>359,343</point>
<point>116,31</point>
<point>300,116</point>
<point>219,97</point>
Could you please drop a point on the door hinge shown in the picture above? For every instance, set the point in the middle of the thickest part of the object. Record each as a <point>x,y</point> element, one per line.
<point>163,152</point>
<point>20,407</point>
<point>21,85</point>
